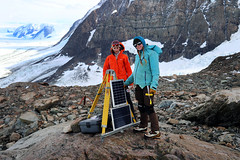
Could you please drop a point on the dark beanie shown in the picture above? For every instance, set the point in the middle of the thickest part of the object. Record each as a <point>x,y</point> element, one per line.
<point>139,39</point>
<point>136,41</point>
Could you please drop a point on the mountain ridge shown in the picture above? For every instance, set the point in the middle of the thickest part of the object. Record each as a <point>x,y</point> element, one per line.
<point>119,20</point>
<point>33,31</point>
<point>184,28</point>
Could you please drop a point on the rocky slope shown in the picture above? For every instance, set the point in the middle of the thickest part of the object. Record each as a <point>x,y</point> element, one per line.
<point>32,117</point>
<point>185,28</point>
<point>51,143</point>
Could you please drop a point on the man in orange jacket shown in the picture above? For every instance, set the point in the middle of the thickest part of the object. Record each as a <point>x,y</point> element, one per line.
<point>119,62</point>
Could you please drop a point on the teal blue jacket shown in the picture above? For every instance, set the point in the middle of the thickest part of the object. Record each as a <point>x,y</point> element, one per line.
<point>145,74</point>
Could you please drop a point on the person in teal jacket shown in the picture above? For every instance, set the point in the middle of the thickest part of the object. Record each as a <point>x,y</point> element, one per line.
<point>145,77</point>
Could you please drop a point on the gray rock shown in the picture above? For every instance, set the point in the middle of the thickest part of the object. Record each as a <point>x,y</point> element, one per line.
<point>29,117</point>
<point>7,119</point>
<point>43,104</point>
<point>33,127</point>
<point>10,144</point>
<point>28,96</point>
<point>226,138</point>
<point>1,147</point>
<point>222,109</point>
<point>15,137</point>
<point>184,122</point>
<point>71,117</point>
<point>165,104</point>
<point>170,157</point>
<point>2,99</point>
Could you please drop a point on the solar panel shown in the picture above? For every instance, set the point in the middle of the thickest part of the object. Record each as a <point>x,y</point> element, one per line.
<point>121,116</point>
<point>118,92</point>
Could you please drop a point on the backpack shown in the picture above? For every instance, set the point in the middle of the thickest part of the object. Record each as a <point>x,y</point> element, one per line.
<point>155,48</point>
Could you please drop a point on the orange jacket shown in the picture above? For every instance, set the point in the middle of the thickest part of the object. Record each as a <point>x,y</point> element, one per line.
<point>121,65</point>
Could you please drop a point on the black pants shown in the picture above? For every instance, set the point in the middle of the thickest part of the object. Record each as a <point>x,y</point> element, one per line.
<point>143,99</point>
<point>130,102</point>
<point>145,106</point>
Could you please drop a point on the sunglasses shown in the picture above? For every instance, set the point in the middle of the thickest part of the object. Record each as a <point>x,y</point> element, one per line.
<point>117,45</point>
<point>135,45</point>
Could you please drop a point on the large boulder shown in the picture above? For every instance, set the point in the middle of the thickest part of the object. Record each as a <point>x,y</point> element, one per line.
<point>222,109</point>
<point>51,143</point>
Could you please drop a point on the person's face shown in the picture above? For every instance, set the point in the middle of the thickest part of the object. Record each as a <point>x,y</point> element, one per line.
<point>116,48</point>
<point>138,46</point>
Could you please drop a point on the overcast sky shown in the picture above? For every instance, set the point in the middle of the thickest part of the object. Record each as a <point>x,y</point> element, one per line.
<point>43,11</point>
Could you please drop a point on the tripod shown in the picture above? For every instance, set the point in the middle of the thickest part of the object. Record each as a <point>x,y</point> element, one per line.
<point>110,75</point>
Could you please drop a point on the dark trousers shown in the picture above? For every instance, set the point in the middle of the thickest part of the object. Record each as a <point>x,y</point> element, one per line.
<point>146,108</point>
<point>130,102</point>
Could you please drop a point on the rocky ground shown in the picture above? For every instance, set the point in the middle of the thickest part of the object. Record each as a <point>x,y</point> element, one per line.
<point>29,107</point>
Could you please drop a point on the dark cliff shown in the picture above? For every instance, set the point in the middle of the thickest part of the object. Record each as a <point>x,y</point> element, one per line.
<point>185,28</point>
<point>182,26</point>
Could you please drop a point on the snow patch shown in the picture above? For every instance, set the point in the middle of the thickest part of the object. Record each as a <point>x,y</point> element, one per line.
<point>90,37</point>
<point>236,72</point>
<point>22,60</point>
<point>185,43</point>
<point>228,57</point>
<point>32,73</point>
<point>130,2</point>
<point>213,1</point>
<point>209,29</point>
<point>115,11</point>
<point>81,75</point>
<point>183,66</point>
<point>4,72</point>
<point>170,80</point>
<point>203,45</point>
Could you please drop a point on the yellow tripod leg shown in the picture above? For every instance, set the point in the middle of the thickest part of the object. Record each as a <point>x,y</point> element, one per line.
<point>134,120</point>
<point>106,107</point>
<point>97,97</point>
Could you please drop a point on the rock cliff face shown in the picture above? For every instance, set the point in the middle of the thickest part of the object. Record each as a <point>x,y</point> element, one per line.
<point>186,28</point>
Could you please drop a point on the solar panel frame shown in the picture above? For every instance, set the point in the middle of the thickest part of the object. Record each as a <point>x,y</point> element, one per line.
<point>121,116</point>
<point>118,92</point>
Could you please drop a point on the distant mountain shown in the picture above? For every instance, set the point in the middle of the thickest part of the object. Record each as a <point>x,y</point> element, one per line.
<point>33,31</point>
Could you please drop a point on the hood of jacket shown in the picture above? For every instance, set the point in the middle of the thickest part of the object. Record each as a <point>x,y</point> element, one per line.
<point>141,39</point>
<point>122,49</point>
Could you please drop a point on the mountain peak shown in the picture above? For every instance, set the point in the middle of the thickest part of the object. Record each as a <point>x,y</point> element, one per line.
<point>34,31</point>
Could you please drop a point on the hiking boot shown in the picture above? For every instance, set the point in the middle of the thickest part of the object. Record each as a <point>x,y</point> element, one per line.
<point>152,134</point>
<point>139,129</point>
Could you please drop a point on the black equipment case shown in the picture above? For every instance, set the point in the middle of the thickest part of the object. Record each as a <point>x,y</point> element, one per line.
<point>91,125</point>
